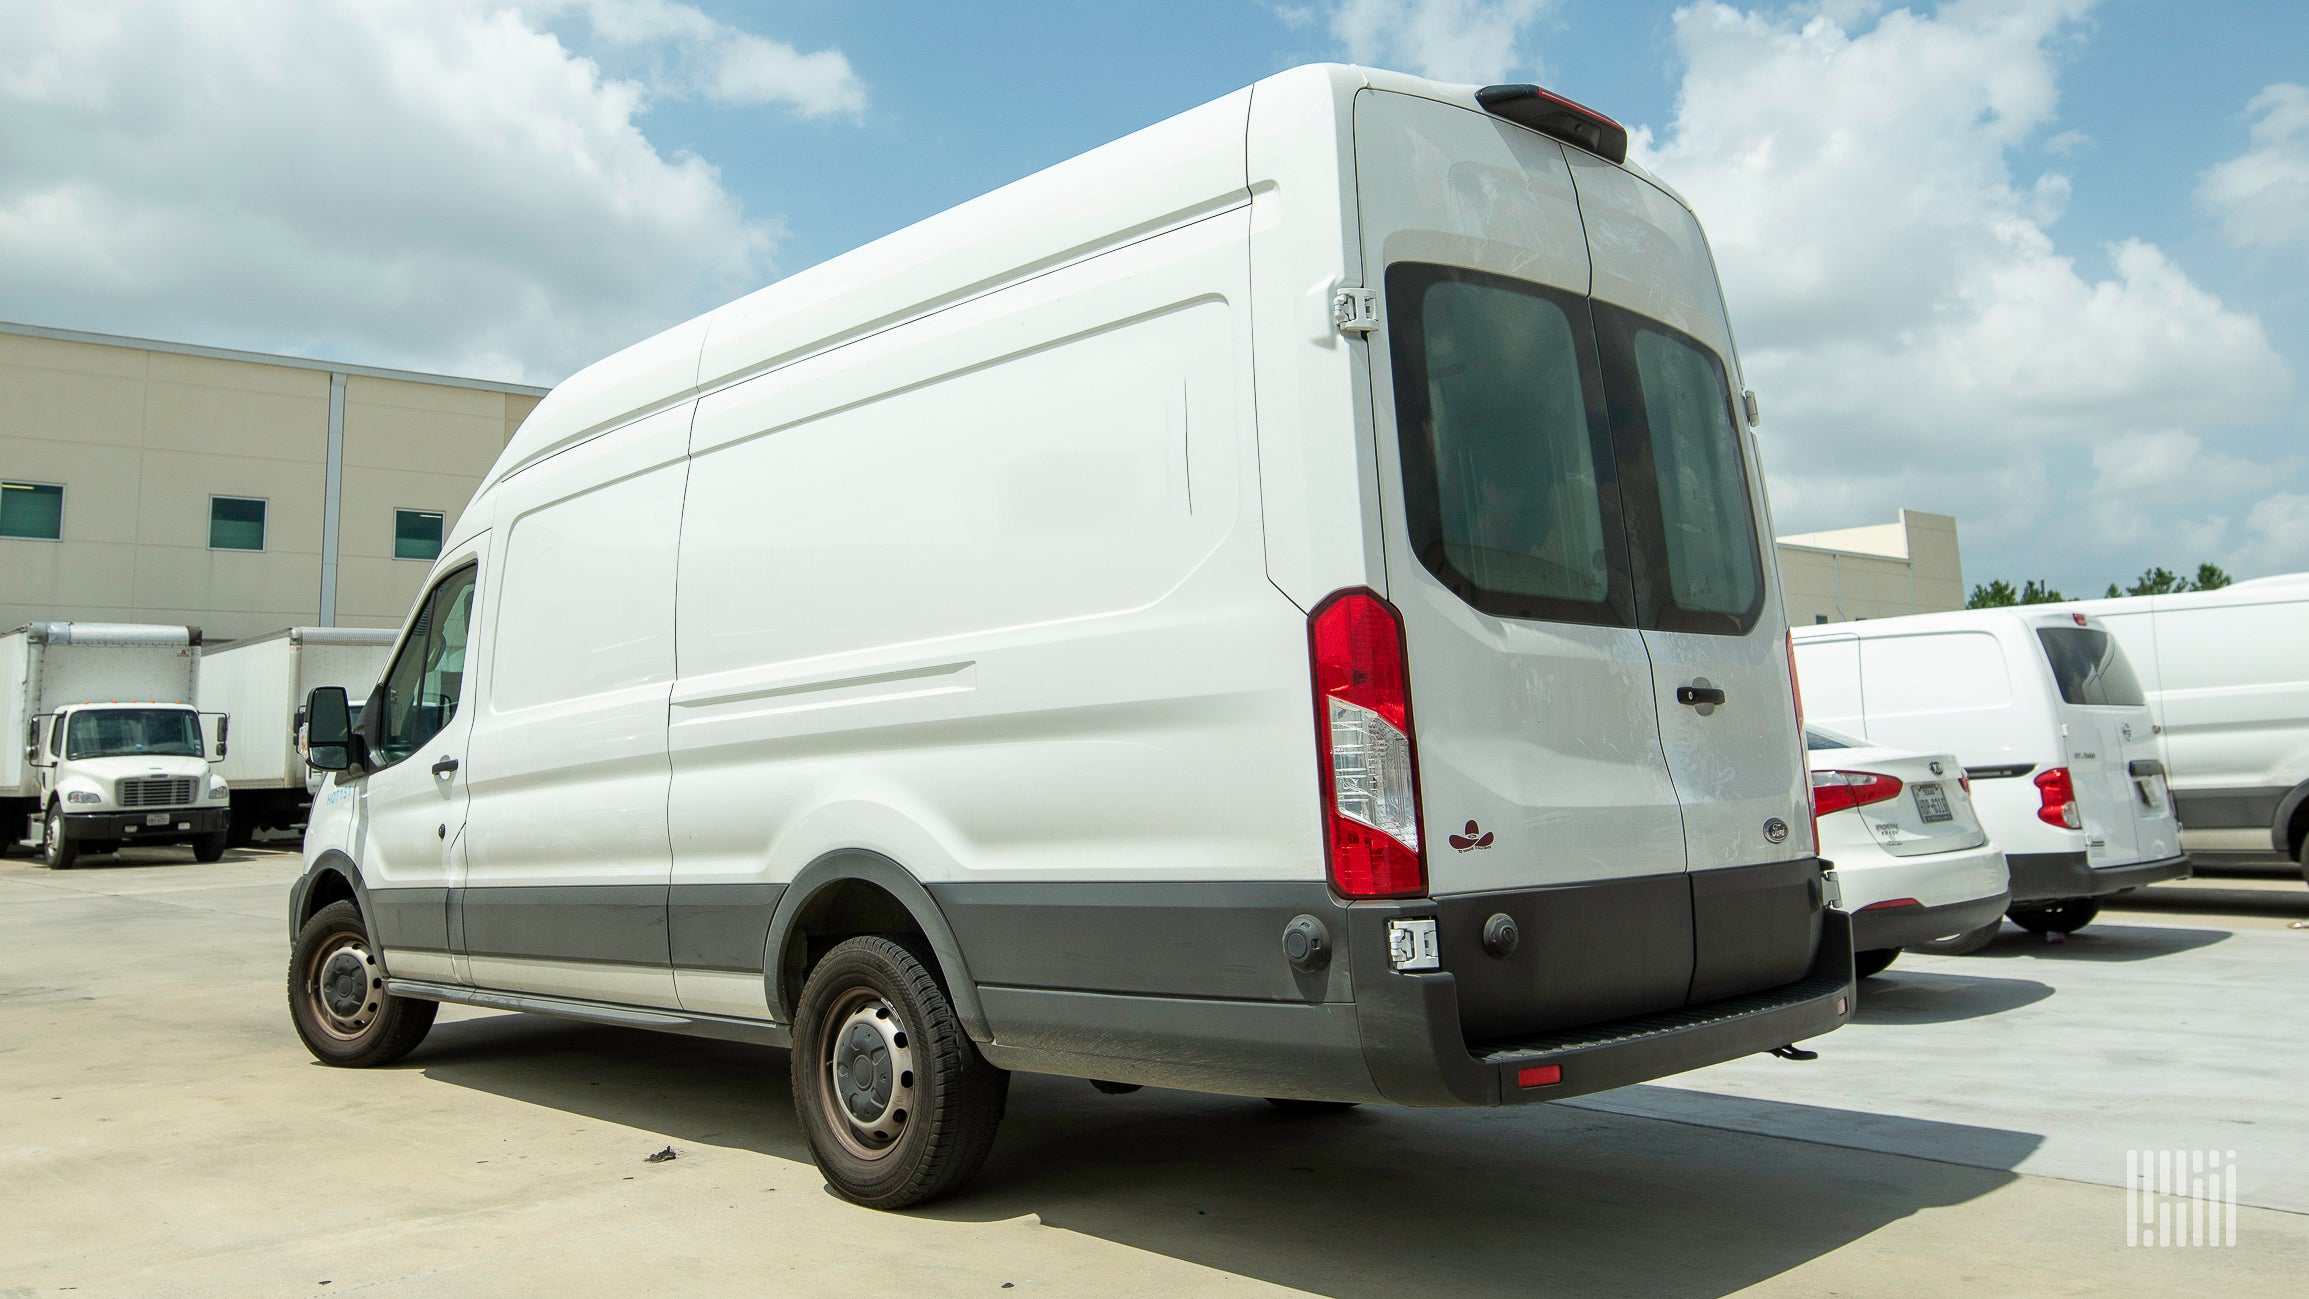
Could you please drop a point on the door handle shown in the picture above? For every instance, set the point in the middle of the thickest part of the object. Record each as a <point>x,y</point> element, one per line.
<point>1693,695</point>
<point>444,766</point>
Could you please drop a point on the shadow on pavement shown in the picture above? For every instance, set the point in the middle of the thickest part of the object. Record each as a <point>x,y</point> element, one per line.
<point>1377,1201</point>
<point>2101,943</point>
<point>1900,996</point>
<point>2201,896</point>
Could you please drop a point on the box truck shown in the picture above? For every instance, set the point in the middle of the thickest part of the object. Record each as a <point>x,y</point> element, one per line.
<point>948,661</point>
<point>101,746</point>
<point>261,683</point>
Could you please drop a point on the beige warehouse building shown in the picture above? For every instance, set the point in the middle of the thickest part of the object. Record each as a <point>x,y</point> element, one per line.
<point>1882,571</point>
<point>143,481</point>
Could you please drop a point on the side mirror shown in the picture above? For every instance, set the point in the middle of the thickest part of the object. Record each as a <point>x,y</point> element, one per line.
<point>224,723</point>
<point>330,744</point>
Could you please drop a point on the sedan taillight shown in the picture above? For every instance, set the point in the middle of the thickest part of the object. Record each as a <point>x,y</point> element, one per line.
<point>1833,791</point>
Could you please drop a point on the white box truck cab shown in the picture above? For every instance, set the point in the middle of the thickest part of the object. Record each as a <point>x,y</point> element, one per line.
<point>106,748</point>
<point>263,683</point>
<point>2042,707</point>
<point>1277,605</point>
<point>2227,683</point>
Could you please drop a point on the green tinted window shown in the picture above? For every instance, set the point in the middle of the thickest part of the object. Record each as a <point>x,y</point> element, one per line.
<point>235,524</point>
<point>1710,542</point>
<point>416,534</point>
<point>1506,427</point>
<point>33,510</point>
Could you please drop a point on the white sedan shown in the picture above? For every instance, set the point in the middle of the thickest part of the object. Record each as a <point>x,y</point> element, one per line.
<point>1912,863</point>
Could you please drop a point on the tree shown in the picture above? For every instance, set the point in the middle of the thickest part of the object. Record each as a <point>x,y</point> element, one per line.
<point>2000,594</point>
<point>2210,577</point>
<point>2161,581</point>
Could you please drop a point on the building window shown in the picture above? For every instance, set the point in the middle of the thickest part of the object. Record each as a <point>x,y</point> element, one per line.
<point>235,523</point>
<point>417,534</point>
<point>34,511</point>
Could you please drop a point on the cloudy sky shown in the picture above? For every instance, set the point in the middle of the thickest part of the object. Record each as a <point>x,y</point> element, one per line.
<point>2041,264</point>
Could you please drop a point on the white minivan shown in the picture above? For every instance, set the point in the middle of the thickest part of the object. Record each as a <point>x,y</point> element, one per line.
<point>2226,676</point>
<point>2042,708</point>
<point>1277,605</point>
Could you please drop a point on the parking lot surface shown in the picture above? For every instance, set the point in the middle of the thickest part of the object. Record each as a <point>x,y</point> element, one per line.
<point>164,1133</point>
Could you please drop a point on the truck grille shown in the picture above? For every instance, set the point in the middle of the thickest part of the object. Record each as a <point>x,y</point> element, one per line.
<point>154,791</point>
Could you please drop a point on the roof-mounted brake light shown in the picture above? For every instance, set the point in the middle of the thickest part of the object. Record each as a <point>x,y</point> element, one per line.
<point>1552,114</point>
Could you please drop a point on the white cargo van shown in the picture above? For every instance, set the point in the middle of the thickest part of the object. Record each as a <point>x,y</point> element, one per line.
<point>100,745</point>
<point>2042,708</point>
<point>1277,605</point>
<point>263,682</point>
<point>2226,676</point>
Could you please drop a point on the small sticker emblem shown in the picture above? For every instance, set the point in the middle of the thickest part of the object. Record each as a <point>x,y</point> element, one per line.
<point>1935,764</point>
<point>1473,839</point>
<point>2125,729</point>
<point>1776,830</point>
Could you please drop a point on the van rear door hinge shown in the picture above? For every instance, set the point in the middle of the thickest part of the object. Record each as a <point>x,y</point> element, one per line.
<point>1355,311</point>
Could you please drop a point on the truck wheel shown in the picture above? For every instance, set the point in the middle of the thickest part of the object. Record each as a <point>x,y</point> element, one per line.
<point>1869,964</point>
<point>59,852</point>
<point>1964,944</point>
<point>337,997</point>
<point>2064,916</point>
<point>210,847</point>
<point>1290,1106</point>
<point>894,1100</point>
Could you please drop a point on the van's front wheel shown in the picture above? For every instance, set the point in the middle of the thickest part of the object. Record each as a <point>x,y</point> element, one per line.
<point>337,996</point>
<point>894,1100</point>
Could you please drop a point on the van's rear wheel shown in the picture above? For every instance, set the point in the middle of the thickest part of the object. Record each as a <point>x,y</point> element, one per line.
<point>1869,964</point>
<point>57,851</point>
<point>894,1100</point>
<point>337,996</point>
<point>1964,944</point>
<point>2065,916</point>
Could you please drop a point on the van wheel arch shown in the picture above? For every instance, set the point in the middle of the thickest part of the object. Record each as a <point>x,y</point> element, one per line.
<point>2289,833</point>
<point>332,878</point>
<point>853,892</point>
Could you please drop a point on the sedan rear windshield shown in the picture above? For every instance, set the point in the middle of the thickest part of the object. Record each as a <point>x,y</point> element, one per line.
<point>132,732</point>
<point>2090,667</point>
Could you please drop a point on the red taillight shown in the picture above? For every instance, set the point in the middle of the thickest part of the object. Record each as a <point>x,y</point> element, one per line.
<point>1363,742</point>
<point>1833,791</point>
<point>1891,903</point>
<point>2056,793</point>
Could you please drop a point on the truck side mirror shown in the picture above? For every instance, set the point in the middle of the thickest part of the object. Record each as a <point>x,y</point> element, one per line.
<point>329,738</point>
<point>224,723</point>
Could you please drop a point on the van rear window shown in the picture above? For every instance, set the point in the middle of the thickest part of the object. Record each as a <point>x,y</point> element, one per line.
<point>1711,551</point>
<point>2090,667</point>
<point>1501,444</point>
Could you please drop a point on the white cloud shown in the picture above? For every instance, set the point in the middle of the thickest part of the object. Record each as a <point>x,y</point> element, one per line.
<point>433,183</point>
<point>1919,337</point>
<point>2277,538</point>
<point>693,54</point>
<point>2262,196</point>
<point>1449,40</point>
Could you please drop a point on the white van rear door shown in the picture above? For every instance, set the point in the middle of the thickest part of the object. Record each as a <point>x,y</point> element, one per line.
<point>1692,500</point>
<point>2112,750</point>
<point>1537,732</point>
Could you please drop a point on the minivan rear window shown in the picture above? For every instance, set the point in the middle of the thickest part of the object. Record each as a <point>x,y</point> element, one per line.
<point>2090,667</point>
<point>1503,447</point>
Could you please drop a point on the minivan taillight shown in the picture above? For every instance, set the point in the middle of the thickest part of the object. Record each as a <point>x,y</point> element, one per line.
<point>2057,794</point>
<point>1363,741</point>
<point>1833,791</point>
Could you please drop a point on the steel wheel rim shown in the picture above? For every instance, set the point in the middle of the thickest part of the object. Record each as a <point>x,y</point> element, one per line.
<point>865,1061</point>
<point>55,842</point>
<point>345,987</point>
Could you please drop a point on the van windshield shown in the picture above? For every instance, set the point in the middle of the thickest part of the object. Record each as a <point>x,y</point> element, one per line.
<point>128,732</point>
<point>2090,667</point>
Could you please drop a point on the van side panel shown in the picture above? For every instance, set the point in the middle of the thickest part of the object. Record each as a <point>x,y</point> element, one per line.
<point>565,855</point>
<point>984,594</point>
<point>2232,691</point>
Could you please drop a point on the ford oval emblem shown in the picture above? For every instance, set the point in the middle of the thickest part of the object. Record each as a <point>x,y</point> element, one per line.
<point>1776,830</point>
<point>1935,767</point>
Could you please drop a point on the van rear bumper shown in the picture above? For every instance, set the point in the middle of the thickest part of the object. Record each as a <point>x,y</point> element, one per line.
<point>2045,876</point>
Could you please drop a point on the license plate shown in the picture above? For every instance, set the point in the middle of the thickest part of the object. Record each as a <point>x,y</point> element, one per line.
<point>1932,803</point>
<point>156,818</point>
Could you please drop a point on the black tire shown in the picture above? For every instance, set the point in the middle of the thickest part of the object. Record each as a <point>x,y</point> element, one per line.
<point>1964,944</point>
<point>1869,964</point>
<point>2301,856</point>
<point>2064,916</point>
<point>895,1101</point>
<point>1289,1106</point>
<point>210,847</point>
<point>377,1030</point>
<point>59,852</point>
